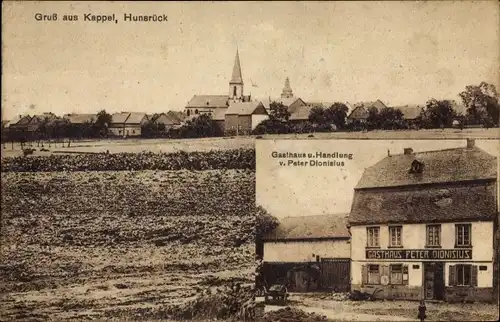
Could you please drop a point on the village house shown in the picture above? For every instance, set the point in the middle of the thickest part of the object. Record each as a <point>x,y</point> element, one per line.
<point>359,113</point>
<point>423,226</point>
<point>19,122</point>
<point>127,124</point>
<point>308,253</point>
<point>411,114</point>
<point>242,118</point>
<point>80,119</point>
<point>208,104</point>
<point>37,120</point>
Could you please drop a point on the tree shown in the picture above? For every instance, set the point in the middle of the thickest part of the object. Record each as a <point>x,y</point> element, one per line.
<point>391,119</point>
<point>317,115</point>
<point>264,223</point>
<point>482,104</point>
<point>200,126</point>
<point>337,114</point>
<point>438,114</point>
<point>279,112</point>
<point>373,121</point>
<point>333,116</point>
<point>102,122</point>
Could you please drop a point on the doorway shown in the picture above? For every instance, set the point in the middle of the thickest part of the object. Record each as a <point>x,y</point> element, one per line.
<point>434,280</point>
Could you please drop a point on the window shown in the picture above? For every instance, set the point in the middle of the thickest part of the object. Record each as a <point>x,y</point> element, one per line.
<point>395,236</point>
<point>133,131</point>
<point>234,91</point>
<point>396,274</point>
<point>462,235</point>
<point>188,112</point>
<point>373,274</point>
<point>196,111</point>
<point>464,275</point>
<point>373,236</point>
<point>433,235</point>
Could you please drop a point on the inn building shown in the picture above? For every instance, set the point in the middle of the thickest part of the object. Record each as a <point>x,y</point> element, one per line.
<point>423,226</point>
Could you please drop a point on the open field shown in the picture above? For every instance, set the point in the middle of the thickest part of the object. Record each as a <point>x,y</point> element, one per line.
<point>347,310</point>
<point>224,143</point>
<point>121,245</point>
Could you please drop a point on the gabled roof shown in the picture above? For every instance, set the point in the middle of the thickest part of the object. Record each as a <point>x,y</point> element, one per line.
<point>301,113</point>
<point>410,111</point>
<point>246,108</point>
<point>80,118</point>
<point>358,113</point>
<point>219,114</point>
<point>19,120</point>
<point>164,118</point>
<point>310,227</point>
<point>178,116</point>
<point>360,109</point>
<point>236,77</point>
<point>438,203</point>
<point>443,166</point>
<point>135,118</point>
<point>120,117</point>
<point>208,101</point>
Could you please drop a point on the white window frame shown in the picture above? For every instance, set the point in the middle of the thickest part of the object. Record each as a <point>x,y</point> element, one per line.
<point>373,236</point>
<point>460,233</point>
<point>433,232</point>
<point>398,240</point>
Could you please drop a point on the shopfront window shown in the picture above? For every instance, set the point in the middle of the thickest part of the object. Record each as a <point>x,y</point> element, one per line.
<point>373,274</point>
<point>433,235</point>
<point>373,234</point>
<point>396,271</point>
<point>462,235</point>
<point>464,273</point>
<point>395,236</point>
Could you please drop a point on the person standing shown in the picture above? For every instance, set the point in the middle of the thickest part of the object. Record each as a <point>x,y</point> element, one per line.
<point>421,310</point>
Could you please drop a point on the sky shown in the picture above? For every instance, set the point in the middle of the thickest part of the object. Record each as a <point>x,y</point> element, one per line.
<point>399,52</point>
<point>303,191</point>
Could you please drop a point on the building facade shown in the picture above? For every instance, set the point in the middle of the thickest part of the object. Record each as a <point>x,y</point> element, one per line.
<point>242,118</point>
<point>423,226</point>
<point>126,124</point>
<point>308,253</point>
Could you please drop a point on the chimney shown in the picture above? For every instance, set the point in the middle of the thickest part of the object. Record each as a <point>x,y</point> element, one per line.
<point>470,143</point>
<point>408,151</point>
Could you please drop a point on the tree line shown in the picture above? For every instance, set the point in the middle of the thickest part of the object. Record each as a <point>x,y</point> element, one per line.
<point>481,103</point>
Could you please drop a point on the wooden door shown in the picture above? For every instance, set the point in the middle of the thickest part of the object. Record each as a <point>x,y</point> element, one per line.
<point>429,281</point>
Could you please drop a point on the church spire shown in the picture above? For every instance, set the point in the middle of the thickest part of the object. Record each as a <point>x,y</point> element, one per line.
<point>236,78</point>
<point>287,90</point>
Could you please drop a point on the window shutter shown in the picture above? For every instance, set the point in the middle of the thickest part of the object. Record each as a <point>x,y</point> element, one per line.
<point>364,275</point>
<point>473,277</point>
<point>452,276</point>
<point>405,271</point>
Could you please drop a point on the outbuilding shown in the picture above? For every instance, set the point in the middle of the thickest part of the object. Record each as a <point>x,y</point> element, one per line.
<point>308,253</point>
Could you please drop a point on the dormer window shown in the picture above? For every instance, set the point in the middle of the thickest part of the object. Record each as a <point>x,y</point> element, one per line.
<point>208,103</point>
<point>417,167</point>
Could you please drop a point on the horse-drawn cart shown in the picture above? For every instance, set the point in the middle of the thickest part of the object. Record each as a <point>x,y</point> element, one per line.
<point>276,294</point>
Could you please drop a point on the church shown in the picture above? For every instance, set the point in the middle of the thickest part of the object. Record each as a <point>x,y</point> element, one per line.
<point>217,105</point>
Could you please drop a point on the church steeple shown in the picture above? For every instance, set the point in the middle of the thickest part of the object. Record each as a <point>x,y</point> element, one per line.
<point>236,82</point>
<point>287,90</point>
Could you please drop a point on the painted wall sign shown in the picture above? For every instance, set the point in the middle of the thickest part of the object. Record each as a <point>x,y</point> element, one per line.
<point>420,254</point>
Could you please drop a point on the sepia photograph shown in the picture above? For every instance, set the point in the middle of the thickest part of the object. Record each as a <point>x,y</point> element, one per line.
<point>348,225</point>
<point>249,161</point>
